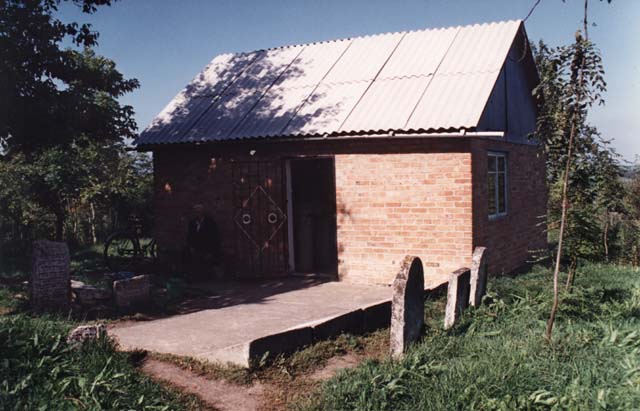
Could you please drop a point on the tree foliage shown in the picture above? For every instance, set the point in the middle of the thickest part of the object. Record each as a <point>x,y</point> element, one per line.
<point>62,127</point>
<point>572,81</point>
<point>51,93</point>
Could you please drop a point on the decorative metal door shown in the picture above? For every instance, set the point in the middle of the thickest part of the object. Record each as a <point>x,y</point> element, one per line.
<point>259,218</point>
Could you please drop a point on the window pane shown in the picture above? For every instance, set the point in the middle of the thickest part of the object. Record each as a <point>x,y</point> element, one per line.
<point>501,163</point>
<point>492,193</point>
<point>502,193</point>
<point>492,163</point>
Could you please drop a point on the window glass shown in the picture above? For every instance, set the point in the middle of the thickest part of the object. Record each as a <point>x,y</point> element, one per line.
<point>492,163</point>
<point>502,195</point>
<point>492,193</point>
<point>497,184</point>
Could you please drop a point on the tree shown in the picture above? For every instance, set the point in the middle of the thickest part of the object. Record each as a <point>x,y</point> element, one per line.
<point>58,102</point>
<point>50,92</point>
<point>572,82</point>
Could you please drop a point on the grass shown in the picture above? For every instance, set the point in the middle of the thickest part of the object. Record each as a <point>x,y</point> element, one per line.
<point>40,371</point>
<point>497,359</point>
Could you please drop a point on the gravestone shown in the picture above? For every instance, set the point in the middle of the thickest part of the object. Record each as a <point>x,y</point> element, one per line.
<point>131,292</point>
<point>407,306</point>
<point>49,286</point>
<point>479,272</point>
<point>457,296</point>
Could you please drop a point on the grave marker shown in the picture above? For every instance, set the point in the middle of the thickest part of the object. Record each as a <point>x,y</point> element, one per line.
<point>49,286</point>
<point>407,306</point>
<point>457,296</point>
<point>479,272</point>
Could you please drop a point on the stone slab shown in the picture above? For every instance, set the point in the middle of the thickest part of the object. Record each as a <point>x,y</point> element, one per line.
<point>88,295</point>
<point>457,296</point>
<point>351,323</point>
<point>83,333</point>
<point>376,316</point>
<point>132,292</point>
<point>244,312</point>
<point>479,273</point>
<point>221,326</point>
<point>284,342</point>
<point>407,306</point>
<point>50,283</point>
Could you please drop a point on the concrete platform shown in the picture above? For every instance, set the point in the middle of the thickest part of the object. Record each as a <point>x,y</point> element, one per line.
<point>240,321</point>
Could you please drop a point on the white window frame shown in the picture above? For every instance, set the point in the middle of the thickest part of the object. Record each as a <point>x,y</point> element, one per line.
<point>497,155</point>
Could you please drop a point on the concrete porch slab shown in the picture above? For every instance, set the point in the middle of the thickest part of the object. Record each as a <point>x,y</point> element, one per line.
<point>240,321</point>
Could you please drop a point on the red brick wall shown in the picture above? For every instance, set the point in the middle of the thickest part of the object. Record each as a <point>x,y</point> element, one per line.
<point>183,178</point>
<point>511,238</point>
<point>393,198</point>
<point>392,205</point>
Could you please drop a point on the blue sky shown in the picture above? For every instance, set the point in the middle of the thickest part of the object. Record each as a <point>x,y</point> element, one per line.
<point>165,43</point>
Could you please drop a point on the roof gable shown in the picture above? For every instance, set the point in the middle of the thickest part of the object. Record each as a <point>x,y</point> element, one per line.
<point>419,81</point>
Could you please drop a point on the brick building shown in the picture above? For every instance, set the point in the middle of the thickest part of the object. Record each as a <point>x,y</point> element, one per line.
<point>344,156</point>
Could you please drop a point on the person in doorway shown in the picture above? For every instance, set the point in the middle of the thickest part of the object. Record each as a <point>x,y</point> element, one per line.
<point>203,244</point>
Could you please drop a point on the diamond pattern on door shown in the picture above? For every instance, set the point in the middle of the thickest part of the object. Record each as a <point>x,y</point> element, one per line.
<point>259,218</point>
<point>268,215</point>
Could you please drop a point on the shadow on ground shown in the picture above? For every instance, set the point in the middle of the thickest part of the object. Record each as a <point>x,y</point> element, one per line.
<point>220,294</point>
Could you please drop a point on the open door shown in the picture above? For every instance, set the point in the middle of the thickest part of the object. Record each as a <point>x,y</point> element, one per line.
<point>312,210</point>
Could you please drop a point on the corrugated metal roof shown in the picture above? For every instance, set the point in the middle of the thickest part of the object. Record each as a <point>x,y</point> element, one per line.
<point>419,53</point>
<point>438,79</point>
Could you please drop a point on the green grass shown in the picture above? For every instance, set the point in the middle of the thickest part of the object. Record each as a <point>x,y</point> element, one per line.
<point>497,359</point>
<point>39,371</point>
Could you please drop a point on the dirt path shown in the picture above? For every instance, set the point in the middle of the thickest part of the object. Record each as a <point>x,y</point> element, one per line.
<point>220,395</point>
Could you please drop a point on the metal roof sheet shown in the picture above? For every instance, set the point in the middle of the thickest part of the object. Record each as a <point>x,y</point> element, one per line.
<point>192,101</point>
<point>419,53</point>
<point>326,109</point>
<point>363,59</point>
<point>374,115</point>
<point>437,79</point>
<point>452,101</point>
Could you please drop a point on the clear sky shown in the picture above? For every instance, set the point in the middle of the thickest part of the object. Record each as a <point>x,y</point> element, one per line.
<point>165,43</point>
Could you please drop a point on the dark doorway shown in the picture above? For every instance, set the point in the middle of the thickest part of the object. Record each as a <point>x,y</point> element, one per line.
<point>313,208</point>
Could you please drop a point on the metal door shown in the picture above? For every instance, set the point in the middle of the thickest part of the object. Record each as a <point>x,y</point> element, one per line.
<point>259,218</point>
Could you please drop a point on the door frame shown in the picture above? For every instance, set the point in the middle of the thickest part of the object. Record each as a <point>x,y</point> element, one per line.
<point>291,256</point>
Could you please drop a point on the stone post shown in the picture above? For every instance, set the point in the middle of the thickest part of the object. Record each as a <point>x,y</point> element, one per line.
<point>479,272</point>
<point>50,282</point>
<point>407,306</point>
<point>457,296</point>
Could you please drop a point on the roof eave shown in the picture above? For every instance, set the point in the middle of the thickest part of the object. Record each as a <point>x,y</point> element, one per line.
<point>462,133</point>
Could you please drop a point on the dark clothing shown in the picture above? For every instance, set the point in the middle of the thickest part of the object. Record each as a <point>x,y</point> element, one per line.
<point>202,236</point>
<point>203,249</point>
